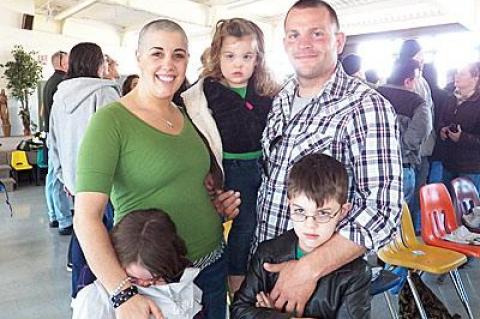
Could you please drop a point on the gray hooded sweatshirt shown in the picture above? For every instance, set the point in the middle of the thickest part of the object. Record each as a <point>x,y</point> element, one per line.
<point>74,103</point>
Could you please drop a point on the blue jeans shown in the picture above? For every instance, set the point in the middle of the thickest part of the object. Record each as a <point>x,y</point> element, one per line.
<point>58,203</point>
<point>408,185</point>
<point>213,283</point>
<point>421,174</point>
<point>243,176</point>
<point>436,172</point>
<point>81,273</point>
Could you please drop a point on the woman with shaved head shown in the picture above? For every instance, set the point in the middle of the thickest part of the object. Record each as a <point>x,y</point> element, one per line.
<point>144,152</point>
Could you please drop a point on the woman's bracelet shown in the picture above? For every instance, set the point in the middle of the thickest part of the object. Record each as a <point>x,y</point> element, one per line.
<point>121,286</point>
<point>127,293</point>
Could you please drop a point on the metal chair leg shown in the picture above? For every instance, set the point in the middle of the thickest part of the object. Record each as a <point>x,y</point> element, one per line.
<point>459,287</point>
<point>392,311</point>
<point>416,296</point>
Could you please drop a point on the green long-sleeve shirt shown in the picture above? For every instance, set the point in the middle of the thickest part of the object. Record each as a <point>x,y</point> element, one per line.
<point>142,168</point>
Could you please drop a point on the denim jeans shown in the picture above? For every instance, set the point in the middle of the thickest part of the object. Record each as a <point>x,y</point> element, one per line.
<point>408,185</point>
<point>436,172</point>
<point>243,176</point>
<point>421,175</point>
<point>58,203</point>
<point>213,283</point>
<point>81,273</point>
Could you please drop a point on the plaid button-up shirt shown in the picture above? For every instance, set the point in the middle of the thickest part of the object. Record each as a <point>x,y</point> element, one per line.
<point>352,123</point>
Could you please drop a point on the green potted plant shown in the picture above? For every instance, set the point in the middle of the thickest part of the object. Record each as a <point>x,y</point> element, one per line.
<point>23,74</point>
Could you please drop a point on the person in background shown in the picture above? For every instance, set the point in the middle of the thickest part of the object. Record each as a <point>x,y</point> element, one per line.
<point>111,69</point>
<point>149,154</point>
<point>412,117</point>
<point>371,76</point>
<point>78,97</point>
<point>153,257</point>
<point>411,49</point>
<point>352,65</point>
<point>233,98</point>
<point>441,99</point>
<point>323,110</point>
<point>450,86</point>
<point>58,203</point>
<point>317,195</point>
<point>460,128</point>
<point>129,84</point>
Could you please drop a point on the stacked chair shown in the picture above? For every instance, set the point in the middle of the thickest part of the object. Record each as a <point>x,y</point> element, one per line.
<point>438,219</point>
<point>406,251</point>
<point>465,198</point>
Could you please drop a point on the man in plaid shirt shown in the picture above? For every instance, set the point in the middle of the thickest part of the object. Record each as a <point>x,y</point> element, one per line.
<point>323,110</point>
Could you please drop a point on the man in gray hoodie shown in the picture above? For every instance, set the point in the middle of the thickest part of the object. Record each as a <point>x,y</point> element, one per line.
<point>78,97</point>
<point>413,117</point>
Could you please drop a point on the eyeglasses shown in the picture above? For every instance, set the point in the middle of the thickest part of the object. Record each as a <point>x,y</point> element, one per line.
<point>155,280</point>
<point>321,217</point>
<point>146,282</point>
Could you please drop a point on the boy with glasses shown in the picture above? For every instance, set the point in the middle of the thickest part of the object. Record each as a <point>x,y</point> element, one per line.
<point>317,194</point>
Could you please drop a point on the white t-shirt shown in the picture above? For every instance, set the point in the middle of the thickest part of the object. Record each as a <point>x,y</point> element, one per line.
<point>180,300</point>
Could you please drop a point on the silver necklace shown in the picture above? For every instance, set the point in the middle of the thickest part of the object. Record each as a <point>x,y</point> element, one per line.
<point>169,123</point>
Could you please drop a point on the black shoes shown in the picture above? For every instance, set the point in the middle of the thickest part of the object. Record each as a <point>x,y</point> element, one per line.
<point>53,224</point>
<point>66,231</point>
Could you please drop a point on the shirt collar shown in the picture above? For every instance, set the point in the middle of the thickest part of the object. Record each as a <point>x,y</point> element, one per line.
<point>333,87</point>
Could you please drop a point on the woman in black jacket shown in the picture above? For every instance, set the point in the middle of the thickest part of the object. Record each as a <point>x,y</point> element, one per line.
<point>460,128</point>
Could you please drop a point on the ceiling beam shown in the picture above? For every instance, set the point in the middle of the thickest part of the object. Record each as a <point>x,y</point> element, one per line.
<point>74,9</point>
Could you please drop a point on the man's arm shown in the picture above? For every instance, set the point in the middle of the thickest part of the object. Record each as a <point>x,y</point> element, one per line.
<point>375,174</point>
<point>298,279</point>
<point>419,127</point>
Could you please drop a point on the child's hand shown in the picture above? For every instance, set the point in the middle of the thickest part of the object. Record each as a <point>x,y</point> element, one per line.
<point>263,300</point>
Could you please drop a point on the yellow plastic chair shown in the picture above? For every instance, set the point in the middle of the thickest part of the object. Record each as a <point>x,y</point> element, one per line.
<point>406,251</point>
<point>226,229</point>
<point>19,162</point>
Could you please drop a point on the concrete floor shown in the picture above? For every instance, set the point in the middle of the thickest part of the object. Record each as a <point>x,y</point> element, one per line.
<point>35,283</point>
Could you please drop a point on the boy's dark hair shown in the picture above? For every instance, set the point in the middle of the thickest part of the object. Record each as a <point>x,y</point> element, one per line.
<point>303,4</point>
<point>85,60</point>
<point>149,238</point>
<point>320,177</point>
<point>402,70</point>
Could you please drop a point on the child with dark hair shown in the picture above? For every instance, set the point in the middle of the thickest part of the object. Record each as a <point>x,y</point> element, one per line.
<point>154,258</point>
<point>317,193</point>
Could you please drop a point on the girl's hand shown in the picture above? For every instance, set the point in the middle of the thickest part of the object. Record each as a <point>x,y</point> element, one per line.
<point>138,307</point>
<point>263,300</point>
<point>455,136</point>
<point>209,184</point>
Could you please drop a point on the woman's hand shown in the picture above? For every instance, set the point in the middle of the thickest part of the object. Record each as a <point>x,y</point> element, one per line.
<point>455,136</point>
<point>138,307</point>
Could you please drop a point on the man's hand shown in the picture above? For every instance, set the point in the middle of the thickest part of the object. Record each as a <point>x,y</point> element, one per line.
<point>264,300</point>
<point>227,203</point>
<point>294,287</point>
<point>444,133</point>
<point>455,136</point>
<point>138,307</point>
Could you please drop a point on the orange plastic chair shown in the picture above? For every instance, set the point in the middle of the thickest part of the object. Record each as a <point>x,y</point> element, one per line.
<point>19,162</point>
<point>406,251</point>
<point>435,201</point>
<point>465,198</point>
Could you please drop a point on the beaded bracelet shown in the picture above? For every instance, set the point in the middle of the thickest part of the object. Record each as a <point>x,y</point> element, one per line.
<point>123,296</point>
<point>121,286</point>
